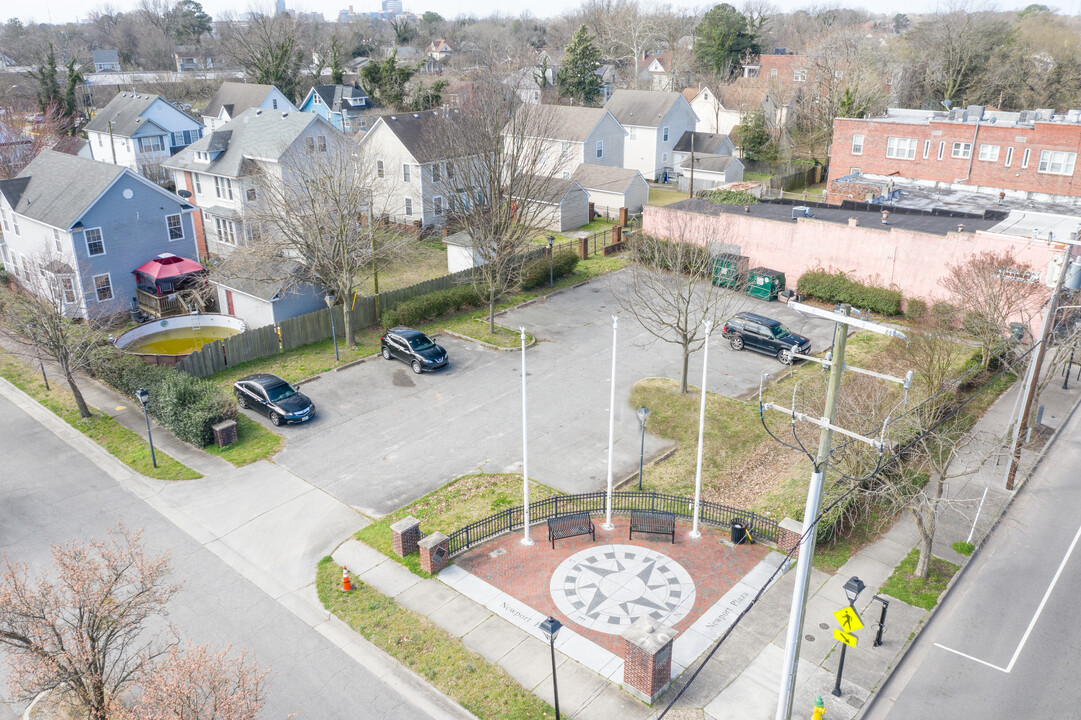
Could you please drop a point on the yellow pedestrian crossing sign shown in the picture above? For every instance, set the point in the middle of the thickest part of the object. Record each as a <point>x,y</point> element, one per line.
<point>848,619</point>
<point>844,637</point>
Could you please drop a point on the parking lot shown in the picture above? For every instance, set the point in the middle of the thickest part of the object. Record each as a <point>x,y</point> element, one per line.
<point>384,436</point>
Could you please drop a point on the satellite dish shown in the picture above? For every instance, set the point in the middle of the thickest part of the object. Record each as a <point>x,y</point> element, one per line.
<point>184,194</point>
<point>947,103</point>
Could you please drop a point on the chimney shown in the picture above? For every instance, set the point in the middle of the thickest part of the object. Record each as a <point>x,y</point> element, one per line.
<point>356,84</point>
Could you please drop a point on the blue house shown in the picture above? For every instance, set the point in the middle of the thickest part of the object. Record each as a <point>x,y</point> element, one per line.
<point>346,107</point>
<point>75,231</point>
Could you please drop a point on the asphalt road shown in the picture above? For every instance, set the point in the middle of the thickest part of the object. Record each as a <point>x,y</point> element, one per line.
<point>1006,643</point>
<point>384,436</point>
<point>50,494</point>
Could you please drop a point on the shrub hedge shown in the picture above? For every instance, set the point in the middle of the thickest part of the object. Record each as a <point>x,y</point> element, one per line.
<point>916,308</point>
<point>728,197</point>
<point>836,287</point>
<point>535,271</point>
<point>188,406</point>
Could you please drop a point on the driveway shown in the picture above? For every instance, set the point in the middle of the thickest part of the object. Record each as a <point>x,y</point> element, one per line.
<point>384,436</point>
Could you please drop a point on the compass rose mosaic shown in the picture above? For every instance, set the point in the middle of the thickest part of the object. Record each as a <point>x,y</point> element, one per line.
<point>607,588</point>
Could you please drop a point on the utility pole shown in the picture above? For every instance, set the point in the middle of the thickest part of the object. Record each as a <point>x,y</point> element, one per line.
<point>691,194</point>
<point>1033,376</point>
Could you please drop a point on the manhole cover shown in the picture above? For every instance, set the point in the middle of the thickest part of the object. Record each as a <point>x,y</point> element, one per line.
<point>824,626</point>
<point>809,638</point>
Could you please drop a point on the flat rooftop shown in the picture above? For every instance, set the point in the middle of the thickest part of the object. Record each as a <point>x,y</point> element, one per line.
<point>969,116</point>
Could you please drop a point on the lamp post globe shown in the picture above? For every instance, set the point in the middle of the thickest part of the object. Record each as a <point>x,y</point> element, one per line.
<point>550,627</point>
<point>144,397</point>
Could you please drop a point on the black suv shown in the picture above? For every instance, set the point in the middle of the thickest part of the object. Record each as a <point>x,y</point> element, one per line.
<point>413,347</point>
<point>747,330</point>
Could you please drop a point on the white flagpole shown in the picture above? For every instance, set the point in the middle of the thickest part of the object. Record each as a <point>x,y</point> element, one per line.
<point>701,434</point>
<point>525,456</point>
<point>611,429</point>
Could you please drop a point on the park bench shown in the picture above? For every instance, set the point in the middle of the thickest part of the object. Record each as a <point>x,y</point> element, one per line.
<point>651,521</point>
<point>569,525</point>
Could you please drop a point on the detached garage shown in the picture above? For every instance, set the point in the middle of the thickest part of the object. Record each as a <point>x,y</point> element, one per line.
<point>263,291</point>
<point>709,172</point>
<point>613,188</point>
<point>565,205</point>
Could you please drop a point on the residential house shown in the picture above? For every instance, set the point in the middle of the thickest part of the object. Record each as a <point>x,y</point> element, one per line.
<point>563,204</point>
<point>714,161</point>
<point>83,227</point>
<point>16,146</point>
<point>264,291</point>
<point>533,85</point>
<point>713,116</point>
<point>105,60</point>
<point>440,51</point>
<point>654,122</point>
<point>570,136</point>
<point>191,58</point>
<point>218,171</point>
<point>233,98</point>
<point>140,132</point>
<point>612,188</point>
<point>413,171</point>
<point>609,76</point>
<point>702,144</point>
<point>346,107</point>
<point>662,72</point>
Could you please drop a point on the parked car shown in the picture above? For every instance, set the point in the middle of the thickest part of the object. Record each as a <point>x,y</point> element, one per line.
<point>273,397</point>
<point>766,335</point>
<point>413,347</point>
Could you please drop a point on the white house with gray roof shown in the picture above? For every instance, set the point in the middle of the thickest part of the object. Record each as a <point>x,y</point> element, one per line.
<point>613,188</point>
<point>655,121</point>
<point>83,227</point>
<point>573,136</point>
<point>233,98</point>
<point>140,131</point>
<point>105,60</point>
<point>218,171</point>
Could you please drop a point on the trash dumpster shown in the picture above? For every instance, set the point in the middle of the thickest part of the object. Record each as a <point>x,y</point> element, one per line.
<point>739,532</point>
<point>764,283</point>
<point>730,270</point>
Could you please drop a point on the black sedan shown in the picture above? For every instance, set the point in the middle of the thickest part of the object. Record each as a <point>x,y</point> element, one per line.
<point>273,397</point>
<point>413,347</point>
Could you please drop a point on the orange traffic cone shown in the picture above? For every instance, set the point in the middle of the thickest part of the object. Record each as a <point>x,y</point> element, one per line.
<point>347,584</point>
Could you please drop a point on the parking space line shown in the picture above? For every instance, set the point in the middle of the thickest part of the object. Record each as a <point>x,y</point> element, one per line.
<point>1035,617</point>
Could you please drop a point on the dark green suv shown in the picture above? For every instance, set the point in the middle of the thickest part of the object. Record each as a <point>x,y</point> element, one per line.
<point>766,335</point>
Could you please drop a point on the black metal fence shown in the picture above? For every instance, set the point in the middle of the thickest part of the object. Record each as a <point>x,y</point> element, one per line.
<point>623,502</point>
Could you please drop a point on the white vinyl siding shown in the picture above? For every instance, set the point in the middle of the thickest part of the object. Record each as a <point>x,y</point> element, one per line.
<point>901,148</point>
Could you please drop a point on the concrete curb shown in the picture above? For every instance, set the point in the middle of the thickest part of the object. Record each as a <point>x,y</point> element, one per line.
<point>488,345</point>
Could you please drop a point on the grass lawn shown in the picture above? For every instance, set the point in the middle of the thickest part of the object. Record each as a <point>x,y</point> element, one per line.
<point>476,326</point>
<point>425,259</point>
<point>906,587</point>
<point>254,442</point>
<point>757,177</point>
<point>459,502</point>
<point>665,195</point>
<point>128,447</point>
<point>480,687</point>
<point>302,362</point>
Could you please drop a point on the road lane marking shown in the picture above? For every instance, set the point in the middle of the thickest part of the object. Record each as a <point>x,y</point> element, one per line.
<point>1035,617</point>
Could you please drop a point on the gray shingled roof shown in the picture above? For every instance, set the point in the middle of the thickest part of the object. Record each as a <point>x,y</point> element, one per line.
<point>644,108</point>
<point>256,275</point>
<point>237,97</point>
<point>255,134</point>
<point>125,112</point>
<point>551,191</point>
<point>560,122</point>
<point>710,163</point>
<point>332,96</point>
<point>707,143</point>
<point>56,189</point>
<point>417,133</point>
<point>603,178</point>
<point>105,56</point>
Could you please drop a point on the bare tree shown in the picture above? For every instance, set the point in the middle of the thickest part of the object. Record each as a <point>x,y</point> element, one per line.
<point>267,48</point>
<point>19,145</point>
<point>496,184</point>
<point>82,634</point>
<point>671,292</point>
<point>631,33</point>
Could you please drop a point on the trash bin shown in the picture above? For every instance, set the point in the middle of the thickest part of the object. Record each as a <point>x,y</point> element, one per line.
<point>739,532</point>
<point>730,270</point>
<point>764,283</point>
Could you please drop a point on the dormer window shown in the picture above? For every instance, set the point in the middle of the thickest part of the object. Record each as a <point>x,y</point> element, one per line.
<point>202,156</point>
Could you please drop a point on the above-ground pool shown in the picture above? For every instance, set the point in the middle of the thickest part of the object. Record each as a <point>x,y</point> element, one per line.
<point>180,335</point>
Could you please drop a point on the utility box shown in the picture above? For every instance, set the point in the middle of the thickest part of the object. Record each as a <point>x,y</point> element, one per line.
<point>764,283</point>
<point>730,270</point>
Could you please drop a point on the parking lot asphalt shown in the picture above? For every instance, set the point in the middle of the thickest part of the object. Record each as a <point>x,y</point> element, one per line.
<point>383,436</point>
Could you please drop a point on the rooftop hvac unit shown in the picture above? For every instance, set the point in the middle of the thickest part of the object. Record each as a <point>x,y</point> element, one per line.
<point>1073,115</point>
<point>1026,116</point>
<point>801,211</point>
<point>958,115</point>
<point>1045,113</point>
<point>976,111</point>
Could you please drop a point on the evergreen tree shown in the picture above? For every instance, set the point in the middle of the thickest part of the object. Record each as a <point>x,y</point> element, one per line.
<point>48,86</point>
<point>577,78</point>
<point>70,105</point>
<point>723,38</point>
<point>387,81</point>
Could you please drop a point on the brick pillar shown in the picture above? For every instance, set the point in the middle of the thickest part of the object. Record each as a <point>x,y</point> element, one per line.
<point>788,536</point>
<point>592,213</point>
<point>583,248</point>
<point>433,553</point>
<point>406,535</point>
<point>623,217</point>
<point>617,234</point>
<point>647,660</point>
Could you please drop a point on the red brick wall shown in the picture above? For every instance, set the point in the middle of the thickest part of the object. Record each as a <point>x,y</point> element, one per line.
<point>643,672</point>
<point>1044,136</point>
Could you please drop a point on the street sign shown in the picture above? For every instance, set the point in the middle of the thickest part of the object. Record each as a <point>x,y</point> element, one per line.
<point>844,637</point>
<point>848,619</point>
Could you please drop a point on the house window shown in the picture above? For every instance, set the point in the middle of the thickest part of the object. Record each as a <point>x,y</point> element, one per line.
<point>565,149</point>
<point>151,144</point>
<point>633,135</point>
<point>566,175</point>
<point>223,188</point>
<point>941,149</point>
<point>449,171</point>
<point>773,73</point>
<point>95,244</point>
<point>1055,162</point>
<point>405,172</point>
<point>664,157</point>
<point>101,140</point>
<point>839,74</point>
<point>56,239</point>
<point>961,150</point>
<point>799,75</point>
<point>409,207</point>
<point>989,153</point>
<point>926,148</point>
<point>600,149</point>
<point>316,99</point>
<point>437,204</point>
<point>901,148</point>
<point>664,134</point>
<point>15,222</point>
<point>176,228</point>
<point>198,185</point>
<point>274,104</point>
<point>379,171</point>
<point>4,217</point>
<point>226,230</point>
<point>103,287</point>
<point>1024,158</point>
<point>1009,156</point>
<point>250,194</point>
<point>321,142</point>
<point>857,144</point>
<point>67,287</point>
<point>435,172</point>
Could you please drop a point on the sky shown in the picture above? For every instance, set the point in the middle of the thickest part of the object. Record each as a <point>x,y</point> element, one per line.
<point>57,11</point>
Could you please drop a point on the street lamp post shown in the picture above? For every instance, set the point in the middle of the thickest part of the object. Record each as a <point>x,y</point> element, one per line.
<point>853,588</point>
<point>144,398</point>
<point>643,415</point>
<point>551,275</point>
<point>550,627</point>
<point>329,300</point>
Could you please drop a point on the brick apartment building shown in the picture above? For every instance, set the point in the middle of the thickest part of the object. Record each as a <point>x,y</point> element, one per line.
<point>1030,153</point>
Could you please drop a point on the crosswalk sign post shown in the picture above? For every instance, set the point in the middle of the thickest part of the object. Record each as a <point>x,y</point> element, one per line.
<point>850,621</point>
